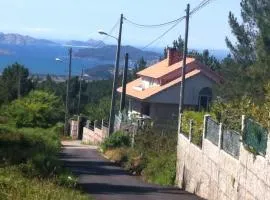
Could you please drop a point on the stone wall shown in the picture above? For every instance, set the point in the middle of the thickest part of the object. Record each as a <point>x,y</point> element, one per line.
<point>212,173</point>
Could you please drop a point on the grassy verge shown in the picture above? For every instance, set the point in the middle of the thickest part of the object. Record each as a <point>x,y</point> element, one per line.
<point>29,165</point>
<point>15,186</point>
<point>153,156</point>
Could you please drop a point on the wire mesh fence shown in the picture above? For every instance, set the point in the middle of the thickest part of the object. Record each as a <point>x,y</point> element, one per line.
<point>255,137</point>
<point>231,142</point>
<point>212,129</point>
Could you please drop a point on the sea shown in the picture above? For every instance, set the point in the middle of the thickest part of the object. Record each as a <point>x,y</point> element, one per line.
<point>41,59</point>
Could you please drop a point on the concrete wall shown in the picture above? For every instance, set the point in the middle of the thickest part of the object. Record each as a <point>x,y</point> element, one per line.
<point>192,88</point>
<point>95,136</point>
<point>74,129</point>
<point>214,174</point>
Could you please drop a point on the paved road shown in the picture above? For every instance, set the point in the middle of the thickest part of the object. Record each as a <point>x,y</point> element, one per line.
<point>106,181</point>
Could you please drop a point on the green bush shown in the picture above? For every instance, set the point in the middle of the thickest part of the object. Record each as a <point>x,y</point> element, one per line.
<point>117,139</point>
<point>197,127</point>
<point>161,169</point>
<point>37,109</point>
<point>15,186</point>
<point>38,148</point>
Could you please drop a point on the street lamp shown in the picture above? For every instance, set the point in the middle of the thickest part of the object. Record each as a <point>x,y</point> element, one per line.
<point>67,90</point>
<point>116,69</point>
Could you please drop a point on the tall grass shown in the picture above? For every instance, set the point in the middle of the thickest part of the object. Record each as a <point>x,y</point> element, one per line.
<point>15,186</point>
<point>29,165</point>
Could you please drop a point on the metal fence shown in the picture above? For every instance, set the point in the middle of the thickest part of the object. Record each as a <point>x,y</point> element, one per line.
<point>255,137</point>
<point>212,130</point>
<point>231,142</point>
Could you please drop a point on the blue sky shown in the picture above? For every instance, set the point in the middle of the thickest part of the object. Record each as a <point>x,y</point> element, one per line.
<point>80,19</point>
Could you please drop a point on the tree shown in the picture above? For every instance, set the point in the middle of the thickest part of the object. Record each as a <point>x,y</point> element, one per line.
<point>248,69</point>
<point>37,109</point>
<point>178,44</point>
<point>139,66</point>
<point>15,82</point>
<point>206,59</point>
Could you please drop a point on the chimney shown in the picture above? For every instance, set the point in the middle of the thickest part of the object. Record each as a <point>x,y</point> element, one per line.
<point>173,56</point>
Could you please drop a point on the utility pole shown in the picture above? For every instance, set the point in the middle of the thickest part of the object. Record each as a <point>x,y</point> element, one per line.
<point>182,88</point>
<point>67,93</point>
<point>116,69</point>
<point>79,101</point>
<point>124,84</point>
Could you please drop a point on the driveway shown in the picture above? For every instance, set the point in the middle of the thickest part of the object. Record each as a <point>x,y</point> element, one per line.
<point>104,180</point>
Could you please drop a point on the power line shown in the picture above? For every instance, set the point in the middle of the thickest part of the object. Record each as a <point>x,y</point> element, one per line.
<point>163,34</point>
<point>200,6</point>
<point>196,9</point>
<point>153,25</point>
<point>106,36</point>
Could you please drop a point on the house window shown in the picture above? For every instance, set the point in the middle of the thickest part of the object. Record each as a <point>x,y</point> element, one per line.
<point>205,98</point>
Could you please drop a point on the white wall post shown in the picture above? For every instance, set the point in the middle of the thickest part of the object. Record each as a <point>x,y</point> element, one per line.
<point>243,126</point>
<point>220,136</point>
<point>180,123</point>
<point>206,117</point>
<point>95,124</point>
<point>190,130</point>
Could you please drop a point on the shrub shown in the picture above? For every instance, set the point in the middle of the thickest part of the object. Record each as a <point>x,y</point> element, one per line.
<point>37,109</point>
<point>36,148</point>
<point>161,169</point>
<point>197,128</point>
<point>15,186</point>
<point>117,139</point>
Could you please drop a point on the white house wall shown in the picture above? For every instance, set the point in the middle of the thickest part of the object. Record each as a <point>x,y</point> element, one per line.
<point>192,88</point>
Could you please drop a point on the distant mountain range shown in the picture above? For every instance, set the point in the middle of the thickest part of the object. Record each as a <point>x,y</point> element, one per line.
<point>82,49</point>
<point>108,52</point>
<point>17,39</point>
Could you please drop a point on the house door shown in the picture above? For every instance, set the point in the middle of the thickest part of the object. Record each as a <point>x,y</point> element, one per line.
<point>205,97</point>
<point>146,109</point>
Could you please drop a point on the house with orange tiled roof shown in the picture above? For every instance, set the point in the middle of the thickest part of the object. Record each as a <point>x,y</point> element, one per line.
<point>156,91</point>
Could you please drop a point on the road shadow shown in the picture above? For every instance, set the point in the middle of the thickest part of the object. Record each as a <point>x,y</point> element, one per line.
<point>100,177</point>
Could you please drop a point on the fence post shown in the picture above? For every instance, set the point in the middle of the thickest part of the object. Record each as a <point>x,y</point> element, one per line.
<point>190,130</point>
<point>95,124</point>
<point>243,126</point>
<point>220,134</point>
<point>180,123</point>
<point>87,124</point>
<point>206,117</point>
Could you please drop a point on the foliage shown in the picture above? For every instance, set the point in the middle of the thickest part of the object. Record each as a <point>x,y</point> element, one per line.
<point>153,156</point>
<point>14,82</point>
<point>36,148</point>
<point>246,71</point>
<point>230,113</point>
<point>117,139</point>
<point>38,109</point>
<point>197,125</point>
<point>161,169</point>
<point>98,111</point>
<point>206,59</point>
<point>15,186</point>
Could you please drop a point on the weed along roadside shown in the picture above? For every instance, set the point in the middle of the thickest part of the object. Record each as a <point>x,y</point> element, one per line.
<point>153,156</point>
<point>29,164</point>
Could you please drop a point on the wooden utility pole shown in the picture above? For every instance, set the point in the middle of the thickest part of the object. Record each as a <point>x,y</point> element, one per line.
<point>124,84</point>
<point>67,93</point>
<point>183,74</point>
<point>116,69</point>
<point>80,89</point>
